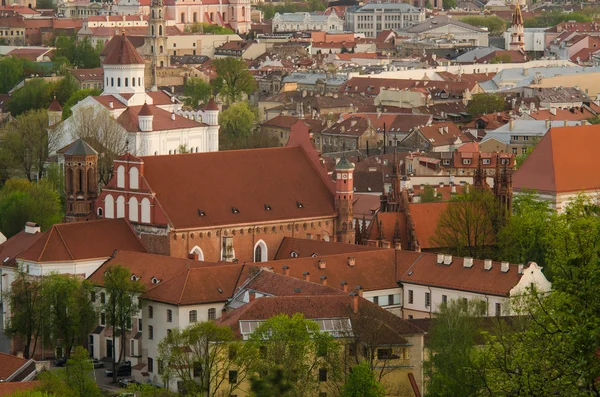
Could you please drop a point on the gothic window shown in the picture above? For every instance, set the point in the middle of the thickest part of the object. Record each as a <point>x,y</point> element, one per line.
<point>160,32</point>
<point>69,180</point>
<point>121,176</point>
<point>195,18</point>
<point>109,207</point>
<point>182,17</point>
<point>152,25</point>
<point>120,207</point>
<point>145,210</point>
<point>260,251</point>
<point>126,81</point>
<point>79,181</point>
<point>133,209</point>
<point>198,251</point>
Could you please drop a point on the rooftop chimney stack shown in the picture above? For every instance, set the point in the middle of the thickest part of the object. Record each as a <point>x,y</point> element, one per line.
<point>251,296</point>
<point>344,286</point>
<point>32,228</point>
<point>521,268</point>
<point>504,267</point>
<point>286,270</point>
<point>306,276</point>
<point>324,280</point>
<point>487,264</point>
<point>322,264</point>
<point>355,301</point>
<point>468,262</point>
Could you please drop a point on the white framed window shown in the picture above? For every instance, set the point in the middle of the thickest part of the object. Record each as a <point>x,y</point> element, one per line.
<point>260,252</point>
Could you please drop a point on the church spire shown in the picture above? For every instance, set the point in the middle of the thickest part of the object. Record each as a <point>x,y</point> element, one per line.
<point>517,36</point>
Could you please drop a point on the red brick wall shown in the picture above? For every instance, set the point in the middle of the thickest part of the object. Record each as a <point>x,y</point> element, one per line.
<point>244,239</point>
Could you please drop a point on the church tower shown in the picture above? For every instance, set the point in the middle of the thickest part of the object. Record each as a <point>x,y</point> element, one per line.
<point>81,181</point>
<point>517,35</point>
<point>503,189</point>
<point>54,113</point>
<point>157,37</point>
<point>344,192</point>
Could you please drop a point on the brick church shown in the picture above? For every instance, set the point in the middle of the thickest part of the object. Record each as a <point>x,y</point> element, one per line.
<point>223,206</point>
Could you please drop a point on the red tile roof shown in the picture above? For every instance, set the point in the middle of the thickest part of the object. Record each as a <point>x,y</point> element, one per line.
<point>88,74</point>
<point>384,224</point>
<point>54,106</point>
<point>10,388</point>
<point>563,161</point>
<point>307,248</point>
<point>562,114</point>
<point>446,137</point>
<point>162,121</point>
<point>269,283</point>
<point>426,217</point>
<point>281,121</point>
<point>10,364</point>
<point>124,53</point>
<point>83,240</point>
<point>18,243</point>
<point>279,177</point>
<point>211,105</point>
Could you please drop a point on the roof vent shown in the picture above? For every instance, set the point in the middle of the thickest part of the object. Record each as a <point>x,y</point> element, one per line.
<point>487,264</point>
<point>447,259</point>
<point>322,264</point>
<point>268,207</point>
<point>504,267</point>
<point>235,210</point>
<point>521,268</point>
<point>220,290</point>
<point>297,290</point>
<point>299,204</point>
<point>351,261</point>
<point>468,262</point>
<point>314,255</point>
<point>440,259</point>
<point>201,213</point>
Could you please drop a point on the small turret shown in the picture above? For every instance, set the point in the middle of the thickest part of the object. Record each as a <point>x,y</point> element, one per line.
<point>54,112</point>
<point>211,110</point>
<point>145,118</point>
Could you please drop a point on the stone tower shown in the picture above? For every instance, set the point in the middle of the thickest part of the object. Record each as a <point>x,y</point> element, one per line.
<point>503,189</point>
<point>157,37</point>
<point>344,192</point>
<point>81,181</point>
<point>517,35</point>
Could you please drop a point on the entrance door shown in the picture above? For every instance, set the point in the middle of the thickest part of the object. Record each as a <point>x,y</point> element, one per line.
<point>109,348</point>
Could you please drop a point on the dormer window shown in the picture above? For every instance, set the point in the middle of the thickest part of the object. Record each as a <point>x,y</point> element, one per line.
<point>294,254</point>
<point>314,255</point>
<point>299,204</point>
<point>268,207</point>
<point>486,161</point>
<point>201,213</point>
<point>134,277</point>
<point>155,280</point>
<point>235,210</point>
<point>466,161</point>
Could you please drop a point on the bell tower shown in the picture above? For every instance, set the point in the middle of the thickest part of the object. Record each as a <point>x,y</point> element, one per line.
<point>157,37</point>
<point>81,181</point>
<point>344,192</point>
<point>517,35</point>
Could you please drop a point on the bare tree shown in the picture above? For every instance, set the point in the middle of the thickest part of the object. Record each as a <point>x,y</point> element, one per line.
<point>104,134</point>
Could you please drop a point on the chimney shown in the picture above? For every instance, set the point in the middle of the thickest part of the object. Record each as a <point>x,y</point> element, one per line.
<point>447,259</point>
<point>322,264</point>
<point>173,116</point>
<point>111,105</point>
<point>32,228</point>
<point>286,270</point>
<point>511,124</point>
<point>566,123</point>
<point>251,296</point>
<point>324,280</point>
<point>453,189</point>
<point>351,261</point>
<point>306,276</point>
<point>487,264</point>
<point>397,245</point>
<point>440,259</point>
<point>386,244</point>
<point>547,124</point>
<point>468,262</point>
<point>355,301</point>
<point>344,286</point>
<point>504,267</point>
<point>553,111</point>
<point>359,290</point>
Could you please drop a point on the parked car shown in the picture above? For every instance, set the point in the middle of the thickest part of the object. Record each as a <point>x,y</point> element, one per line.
<point>124,369</point>
<point>128,381</point>
<point>97,363</point>
<point>60,362</point>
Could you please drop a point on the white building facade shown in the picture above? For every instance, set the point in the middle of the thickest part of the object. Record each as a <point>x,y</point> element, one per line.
<point>373,18</point>
<point>303,21</point>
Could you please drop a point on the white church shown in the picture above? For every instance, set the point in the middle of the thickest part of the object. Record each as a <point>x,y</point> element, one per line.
<point>151,121</point>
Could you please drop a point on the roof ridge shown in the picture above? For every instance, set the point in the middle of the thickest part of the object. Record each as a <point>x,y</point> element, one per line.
<point>64,243</point>
<point>49,233</point>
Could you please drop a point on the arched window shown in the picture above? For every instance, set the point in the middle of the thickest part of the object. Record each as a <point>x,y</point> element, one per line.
<point>161,50</point>
<point>152,28</point>
<point>169,315</point>
<point>121,176</point>
<point>243,12</point>
<point>126,81</point>
<point>99,212</point>
<point>195,17</point>
<point>183,17</point>
<point>91,183</point>
<point>118,81</point>
<point>152,18</point>
<point>69,179</point>
<point>109,207</point>
<point>140,81</point>
<point>160,33</point>
<point>133,82</point>
<point>193,316</point>
<point>133,178</point>
<point>121,207</point>
<point>145,210</point>
<point>260,252</point>
<point>198,251</point>
<point>133,209</point>
<point>112,81</point>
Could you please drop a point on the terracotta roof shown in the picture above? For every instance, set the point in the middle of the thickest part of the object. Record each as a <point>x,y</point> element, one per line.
<point>425,217</point>
<point>10,388</point>
<point>124,53</point>
<point>105,101</point>
<point>10,364</point>
<point>211,105</point>
<point>31,54</point>
<point>269,283</point>
<point>83,240</point>
<point>162,121</point>
<point>307,248</point>
<point>573,114</point>
<point>54,106</point>
<point>370,319</point>
<point>563,161</point>
<point>447,137</point>
<point>145,110</point>
<point>18,243</point>
<point>279,177</point>
<point>373,85</point>
<point>281,121</point>
<point>384,224</point>
<point>426,271</point>
<point>365,204</point>
<point>88,74</point>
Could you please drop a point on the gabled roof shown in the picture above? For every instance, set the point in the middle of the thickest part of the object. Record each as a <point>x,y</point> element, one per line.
<point>563,161</point>
<point>425,217</point>
<point>65,242</point>
<point>269,283</point>
<point>441,134</point>
<point>123,53</point>
<point>11,365</point>
<point>18,243</point>
<point>281,121</point>
<point>245,179</point>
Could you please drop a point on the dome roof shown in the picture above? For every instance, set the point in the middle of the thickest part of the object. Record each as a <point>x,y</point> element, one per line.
<point>145,110</point>
<point>211,105</point>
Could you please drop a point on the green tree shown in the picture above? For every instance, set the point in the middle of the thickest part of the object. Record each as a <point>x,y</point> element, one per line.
<point>449,4</point>
<point>450,369</point>
<point>81,54</point>
<point>69,312</point>
<point>272,385</point>
<point>506,58</point>
<point>361,382</point>
<point>495,25</point>
<point>485,104</point>
<point>27,143</point>
<point>148,390</point>
<point>236,123</point>
<point>35,94</point>
<point>594,120</point>
<point>11,72</point>
<point>207,28</point>
<point>202,356</point>
<point>22,201</point>
<point>553,18</point>
<point>429,195</point>
<point>121,305</point>
<point>65,88</point>
<point>27,315</point>
<point>237,80</point>
<point>79,374</point>
<point>196,91</point>
<point>468,225</point>
<point>297,346</point>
